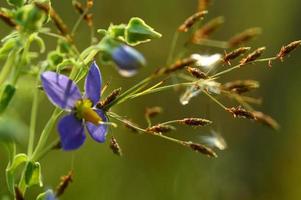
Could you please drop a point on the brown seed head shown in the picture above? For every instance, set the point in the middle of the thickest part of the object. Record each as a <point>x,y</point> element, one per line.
<point>111,97</point>
<point>266,120</point>
<point>203,4</point>
<point>241,86</point>
<point>207,29</point>
<point>285,50</point>
<point>200,148</point>
<point>115,146</point>
<point>241,113</point>
<point>195,121</point>
<point>151,112</point>
<point>234,54</point>
<point>252,56</point>
<point>190,21</point>
<point>65,181</point>
<point>90,3</point>
<point>160,128</point>
<point>197,73</point>
<point>244,36</point>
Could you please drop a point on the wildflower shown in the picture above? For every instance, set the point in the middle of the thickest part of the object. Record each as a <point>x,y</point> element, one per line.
<point>207,62</point>
<point>65,94</point>
<point>128,60</point>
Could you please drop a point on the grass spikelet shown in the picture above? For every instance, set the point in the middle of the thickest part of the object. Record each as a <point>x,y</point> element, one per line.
<point>7,19</point>
<point>239,112</point>
<point>285,50</point>
<point>178,65</point>
<point>65,181</point>
<point>252,56</point>
<point>197,73</point>
<point>240,86</point>
<point>266,120</point>
<point>111,97</point>
<point>244,36</point>
<point>200,148</point>
<point>234,54</point>
<point>207,29</point>
<point>114,146</point>
<point>151,112</point>
<point>190,21</point>
<point>160,128</point>
<point>203,4</point>
<point>195,122</point>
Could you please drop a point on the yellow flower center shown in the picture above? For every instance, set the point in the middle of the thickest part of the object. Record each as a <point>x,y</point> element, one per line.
<point>84,110</point>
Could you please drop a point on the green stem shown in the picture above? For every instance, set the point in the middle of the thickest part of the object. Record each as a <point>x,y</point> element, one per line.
<point>45,133</point>
<point>8,66</point>
<point>33,118</point>
<point>239,66</point>
<point>215,100</point>
<point>172,48</point>
<point>43,153</point>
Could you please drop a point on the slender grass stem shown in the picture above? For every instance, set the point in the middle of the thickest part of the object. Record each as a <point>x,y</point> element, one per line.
<point>239,66</point>
<point>172,48</point>
<point>215,100</point>
<point>33,118</point>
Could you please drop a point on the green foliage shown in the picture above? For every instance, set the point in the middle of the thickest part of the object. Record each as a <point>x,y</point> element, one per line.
<point>12,168</point>
<point>17,3</point>
<point>33,174</point>
<point>137,32</point>
<point>7,94</point>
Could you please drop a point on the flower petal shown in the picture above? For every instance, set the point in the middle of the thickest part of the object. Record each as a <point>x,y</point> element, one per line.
<point>128,60</point>
<point>60,90</point>
<point>98,132</point>
<point>71,132</point>
<point>93,83</point>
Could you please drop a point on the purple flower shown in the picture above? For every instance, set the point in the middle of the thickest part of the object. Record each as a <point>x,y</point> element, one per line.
<point>64,93</point>
<point>128,60</point>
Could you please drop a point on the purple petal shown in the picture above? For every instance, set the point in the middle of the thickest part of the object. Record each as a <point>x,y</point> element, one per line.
<point>60,90</point>
<point>128,60</point>
<point>98,132</point>
<point>93,83</point>
<point>71,132</point>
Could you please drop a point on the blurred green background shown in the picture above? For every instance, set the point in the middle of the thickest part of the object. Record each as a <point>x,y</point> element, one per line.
<point>259,163</point>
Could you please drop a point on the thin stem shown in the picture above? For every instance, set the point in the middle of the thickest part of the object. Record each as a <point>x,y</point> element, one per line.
<point>239,65</point>
<point>172,48</point>
<point>45,133</point>
<point>214,43</point>
<point>8,66</point>
<point>33,118</point>
<point>77,23</point>
<point>215,100</point>
<point>119,118</point>
<point>45,151</point>
<point>161,89</point>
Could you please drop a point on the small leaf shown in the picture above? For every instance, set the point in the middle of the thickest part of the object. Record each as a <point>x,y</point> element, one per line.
<point>33,174</point>
<point>7,47</point>
<point>6,96</point>
<point>117,31</point>
<point>137,31</point>
<point>11,170</point>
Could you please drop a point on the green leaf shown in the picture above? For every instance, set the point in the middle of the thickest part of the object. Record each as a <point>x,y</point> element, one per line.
<point>33,174</point>
<point>7,47</point>
<point>45,195</point>
<point>17,3</point>
<point>11,170</point>
<point>137,32</point>
<point>6,96</point>
<point>117,31</point>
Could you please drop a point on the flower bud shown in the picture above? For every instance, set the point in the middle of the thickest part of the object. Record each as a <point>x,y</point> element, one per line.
<point>128,60</point>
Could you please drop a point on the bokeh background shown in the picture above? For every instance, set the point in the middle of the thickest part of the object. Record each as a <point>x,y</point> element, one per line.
<point>259,163</point>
